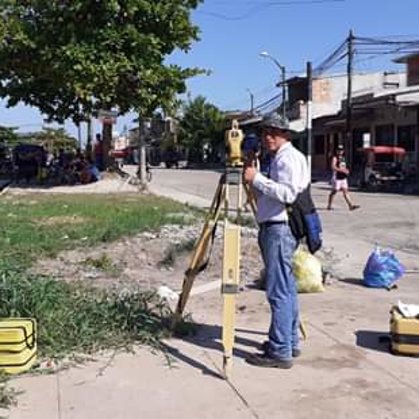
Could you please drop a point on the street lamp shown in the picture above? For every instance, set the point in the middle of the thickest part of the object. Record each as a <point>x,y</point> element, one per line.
<point>266,54</point>
<point>251,100</point>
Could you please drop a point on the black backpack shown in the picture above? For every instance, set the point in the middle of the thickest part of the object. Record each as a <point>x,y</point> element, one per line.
<point>304,221</point>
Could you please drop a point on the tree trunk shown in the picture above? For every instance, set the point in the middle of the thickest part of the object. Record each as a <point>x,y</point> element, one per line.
<point>107,141</point>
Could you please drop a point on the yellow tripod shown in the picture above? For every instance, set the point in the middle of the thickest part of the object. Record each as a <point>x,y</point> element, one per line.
<point>231,255</point>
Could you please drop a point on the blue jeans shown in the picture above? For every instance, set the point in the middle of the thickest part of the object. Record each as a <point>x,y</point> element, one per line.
<point>278,245</point>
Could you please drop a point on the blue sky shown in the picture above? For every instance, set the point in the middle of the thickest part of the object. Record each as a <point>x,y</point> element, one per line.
<point>234,32</point>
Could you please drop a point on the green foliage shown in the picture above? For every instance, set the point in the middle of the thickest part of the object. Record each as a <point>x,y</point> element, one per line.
<point>103,263</point>
<point>7,395</point>
<point>72,58</point>
<point>73,318</point>
<point>52,139</point>
<point>33,229</point>
<point>175,250</point>
<point>8,135</point>
<point>202,127</point>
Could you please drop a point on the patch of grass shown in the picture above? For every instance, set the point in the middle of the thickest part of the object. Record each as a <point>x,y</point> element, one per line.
<point>244,221</point>
<point>52,223</point>
<point>174,250</point>
<point>7,394</point>
<point>74,318</point>
<point>103,263</point>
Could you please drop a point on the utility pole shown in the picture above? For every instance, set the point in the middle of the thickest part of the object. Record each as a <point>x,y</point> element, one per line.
<point>348,133</point>
<point>142,174</point>
<point>90,135</point>
<point>79,135</point>
<point>284,92</point>
<point>283,81</point>
<point>251,101</point>
<point>309,115</point>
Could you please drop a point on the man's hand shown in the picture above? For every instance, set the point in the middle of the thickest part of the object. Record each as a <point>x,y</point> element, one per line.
<point>249,174</point>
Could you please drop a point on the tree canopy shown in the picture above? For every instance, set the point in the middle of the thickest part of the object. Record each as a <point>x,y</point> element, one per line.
<point>201,130</point>
<point>70,58</point>
<point>52,139</point>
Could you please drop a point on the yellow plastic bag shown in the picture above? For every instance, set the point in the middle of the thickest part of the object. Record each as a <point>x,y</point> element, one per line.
<point>308,272</point>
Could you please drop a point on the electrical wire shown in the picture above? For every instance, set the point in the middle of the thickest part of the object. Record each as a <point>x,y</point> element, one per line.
<point>257,8</point>
<point>335,57</point>
<point>267,103</point>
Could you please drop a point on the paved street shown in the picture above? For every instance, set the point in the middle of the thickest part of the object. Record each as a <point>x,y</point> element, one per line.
<point>344,372</point>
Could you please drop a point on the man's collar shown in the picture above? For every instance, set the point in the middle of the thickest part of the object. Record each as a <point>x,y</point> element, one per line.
<point>283,148</point>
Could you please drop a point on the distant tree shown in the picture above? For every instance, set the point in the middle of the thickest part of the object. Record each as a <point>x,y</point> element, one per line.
<point>51,139</point>
<point>201,130</point>
<point>8,135</point>
<point>70,58</point>
<point>54,139</point>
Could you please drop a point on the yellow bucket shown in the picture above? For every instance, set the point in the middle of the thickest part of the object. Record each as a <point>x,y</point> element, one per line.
<point>17,345</point>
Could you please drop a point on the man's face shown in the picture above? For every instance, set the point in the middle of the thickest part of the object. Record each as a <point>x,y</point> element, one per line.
<point>273,139</point>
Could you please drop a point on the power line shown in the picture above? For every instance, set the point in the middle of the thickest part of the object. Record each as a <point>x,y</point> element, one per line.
<point>266,5</point>
<point>335,57</point>
<point>269,101</point>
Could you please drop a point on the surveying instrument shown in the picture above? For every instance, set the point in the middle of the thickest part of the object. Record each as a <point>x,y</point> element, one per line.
<point>222,205</point>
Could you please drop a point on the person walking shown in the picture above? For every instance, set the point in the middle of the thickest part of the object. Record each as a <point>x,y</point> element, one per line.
<point>287,176</point>
<point>340,174</point>
<point>98,152</point>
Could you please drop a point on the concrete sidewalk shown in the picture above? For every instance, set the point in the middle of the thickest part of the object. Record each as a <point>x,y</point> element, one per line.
<point>345,371</point>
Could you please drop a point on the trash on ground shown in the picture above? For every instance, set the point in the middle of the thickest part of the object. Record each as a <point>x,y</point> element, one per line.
<point>165,293</point>
<point>409,311</point>
<point>308,272</point>
<point>382,270</point>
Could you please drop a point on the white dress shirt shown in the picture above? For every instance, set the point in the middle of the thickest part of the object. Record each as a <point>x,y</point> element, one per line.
<point>288,176</point>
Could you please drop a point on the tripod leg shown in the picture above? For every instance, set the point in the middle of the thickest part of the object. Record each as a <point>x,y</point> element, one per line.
<point>200,251</point>
<point>230,285</point>
<point>250,198</point>
<point>303,330</point>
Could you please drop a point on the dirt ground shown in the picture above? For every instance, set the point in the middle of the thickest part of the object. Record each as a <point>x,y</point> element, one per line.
<point>149,260</point>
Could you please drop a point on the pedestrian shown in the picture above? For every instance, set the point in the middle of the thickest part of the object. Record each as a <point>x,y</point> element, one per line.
<point>98,152</point>
<point>340,174</point>
<point>287,176</point>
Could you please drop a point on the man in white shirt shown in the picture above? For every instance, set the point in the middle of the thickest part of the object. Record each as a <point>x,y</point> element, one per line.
<point>288,176</point>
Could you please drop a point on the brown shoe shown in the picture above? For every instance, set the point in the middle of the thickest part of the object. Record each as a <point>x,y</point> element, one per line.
<point>354,207</point>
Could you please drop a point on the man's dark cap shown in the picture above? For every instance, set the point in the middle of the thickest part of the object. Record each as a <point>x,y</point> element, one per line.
<point>275,121</point>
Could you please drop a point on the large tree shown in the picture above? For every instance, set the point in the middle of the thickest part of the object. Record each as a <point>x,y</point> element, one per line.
<point>201,130</point>
<point>72,58</point>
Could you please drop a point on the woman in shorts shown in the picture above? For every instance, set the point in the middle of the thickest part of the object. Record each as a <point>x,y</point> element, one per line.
<point>340,179</point>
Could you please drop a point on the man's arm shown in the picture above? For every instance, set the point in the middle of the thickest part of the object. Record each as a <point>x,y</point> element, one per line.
<point>286,191</point>
<point>335,167</point>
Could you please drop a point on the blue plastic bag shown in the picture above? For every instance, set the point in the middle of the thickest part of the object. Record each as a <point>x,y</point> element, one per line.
<point>383,269</point>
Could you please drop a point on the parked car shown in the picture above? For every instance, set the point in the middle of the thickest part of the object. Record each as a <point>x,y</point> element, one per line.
<point>382,166</point>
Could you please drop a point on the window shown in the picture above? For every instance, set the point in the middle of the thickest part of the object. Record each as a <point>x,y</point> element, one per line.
<point>406,137</point>
<point>319,144</point>
<point>384,135</point>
